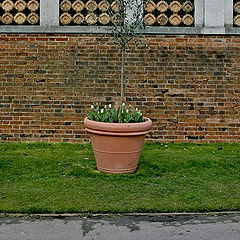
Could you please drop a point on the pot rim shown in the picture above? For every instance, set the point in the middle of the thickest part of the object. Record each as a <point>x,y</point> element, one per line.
<point>118,127</point>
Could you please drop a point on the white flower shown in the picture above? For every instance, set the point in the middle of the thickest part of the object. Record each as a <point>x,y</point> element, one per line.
<point>127,110</point>
<point>102,110</point>
<point>123,104</point>
<point>92,106</point>
<point>136,109</point>
<point>105,106</point>
<point>110,105</point>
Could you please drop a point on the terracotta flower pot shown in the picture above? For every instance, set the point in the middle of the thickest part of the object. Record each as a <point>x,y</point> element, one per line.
<point>117,146</point>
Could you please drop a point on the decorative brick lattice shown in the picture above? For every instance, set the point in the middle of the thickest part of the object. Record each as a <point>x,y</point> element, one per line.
<point>85,12</point>
<point>169,13</point>
<point>236,13</point>
<point>156,13</point>
<point>19,12</point>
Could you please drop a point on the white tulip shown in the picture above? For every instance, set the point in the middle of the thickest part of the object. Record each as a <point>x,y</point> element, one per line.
<point>102,110</point>
<point>110,105</point>
<point>123,104</point>
<point>92,106</point>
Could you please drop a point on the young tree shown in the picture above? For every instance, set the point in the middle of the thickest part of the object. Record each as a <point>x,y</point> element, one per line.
<point>127,21</point>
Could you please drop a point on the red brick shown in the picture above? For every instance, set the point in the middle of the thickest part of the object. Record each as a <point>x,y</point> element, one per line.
<point>187,84</point>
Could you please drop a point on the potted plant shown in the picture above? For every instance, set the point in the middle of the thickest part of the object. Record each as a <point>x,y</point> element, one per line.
<point>117,134</point>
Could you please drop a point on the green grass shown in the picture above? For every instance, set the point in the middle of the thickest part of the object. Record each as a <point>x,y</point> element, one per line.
<point>59,178</point>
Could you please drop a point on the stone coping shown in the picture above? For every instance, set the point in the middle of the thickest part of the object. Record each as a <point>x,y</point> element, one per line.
<point>103,30</point>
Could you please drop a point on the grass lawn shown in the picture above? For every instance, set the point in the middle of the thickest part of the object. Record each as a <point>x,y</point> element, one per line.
<point>61,177</point>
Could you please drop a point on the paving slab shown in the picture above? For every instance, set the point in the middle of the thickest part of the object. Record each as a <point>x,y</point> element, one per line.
<point>127,227</point>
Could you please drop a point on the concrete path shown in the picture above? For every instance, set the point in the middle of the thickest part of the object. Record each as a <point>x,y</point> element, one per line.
<point>153,227</point>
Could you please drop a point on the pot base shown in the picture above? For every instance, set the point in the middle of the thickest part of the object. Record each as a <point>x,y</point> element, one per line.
<point>116,154</point>
<point>116,171</point>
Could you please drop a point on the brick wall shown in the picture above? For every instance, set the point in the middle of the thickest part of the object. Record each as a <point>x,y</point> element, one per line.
<point>188,85</point>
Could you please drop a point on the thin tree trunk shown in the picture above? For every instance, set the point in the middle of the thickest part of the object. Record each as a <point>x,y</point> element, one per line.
<point>122,81</point>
